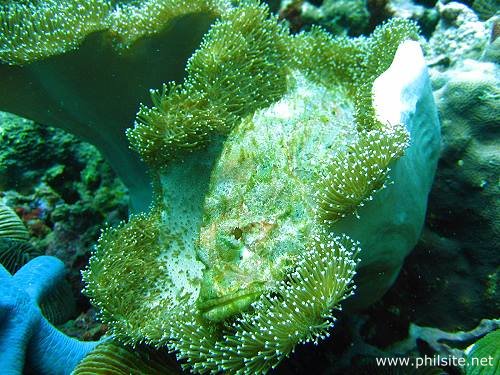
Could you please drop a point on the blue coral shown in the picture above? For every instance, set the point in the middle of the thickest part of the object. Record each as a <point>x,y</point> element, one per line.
<point>27,339</point>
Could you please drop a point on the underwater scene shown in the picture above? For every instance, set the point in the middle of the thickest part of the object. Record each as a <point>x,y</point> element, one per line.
<point>249,187</point>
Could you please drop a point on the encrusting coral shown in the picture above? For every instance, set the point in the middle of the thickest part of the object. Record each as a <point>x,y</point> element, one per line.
<point>244,253</point>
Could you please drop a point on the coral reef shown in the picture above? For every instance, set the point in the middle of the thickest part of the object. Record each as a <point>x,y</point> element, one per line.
<point>222,86</point>
<point>416,343</point>
<point>451,279</point>
<point>458,35</point>
<point>62,190</point>
<point>85,327</point>
<point>339,17</point>
<point>358,17</point>
<point>16,251</point>
<point>28,341</point>
<point>423,12</point>
<point>33,31</point>
<point>468,99</point>
<point>449,283</point>
<point>235,264</point>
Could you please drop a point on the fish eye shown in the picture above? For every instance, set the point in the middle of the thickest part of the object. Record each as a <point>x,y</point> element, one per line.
<point>237,233</point>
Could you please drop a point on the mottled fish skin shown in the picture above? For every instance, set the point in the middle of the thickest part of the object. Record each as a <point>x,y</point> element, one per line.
<point>259,213</point>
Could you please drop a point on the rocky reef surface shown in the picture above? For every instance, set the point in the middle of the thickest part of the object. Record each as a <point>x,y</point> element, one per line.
<point>65,193</point>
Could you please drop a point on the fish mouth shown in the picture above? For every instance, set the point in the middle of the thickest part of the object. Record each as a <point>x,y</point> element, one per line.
<point>219,309</point>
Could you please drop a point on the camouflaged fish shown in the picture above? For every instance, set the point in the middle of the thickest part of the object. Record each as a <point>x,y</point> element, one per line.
<point>269,163</point>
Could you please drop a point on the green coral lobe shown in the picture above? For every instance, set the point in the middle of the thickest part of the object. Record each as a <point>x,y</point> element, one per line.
<point>119,262</point>
<point>227,78</point>
<point>35,30</point>
<point>353,177</point>
<point>31,31</point>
